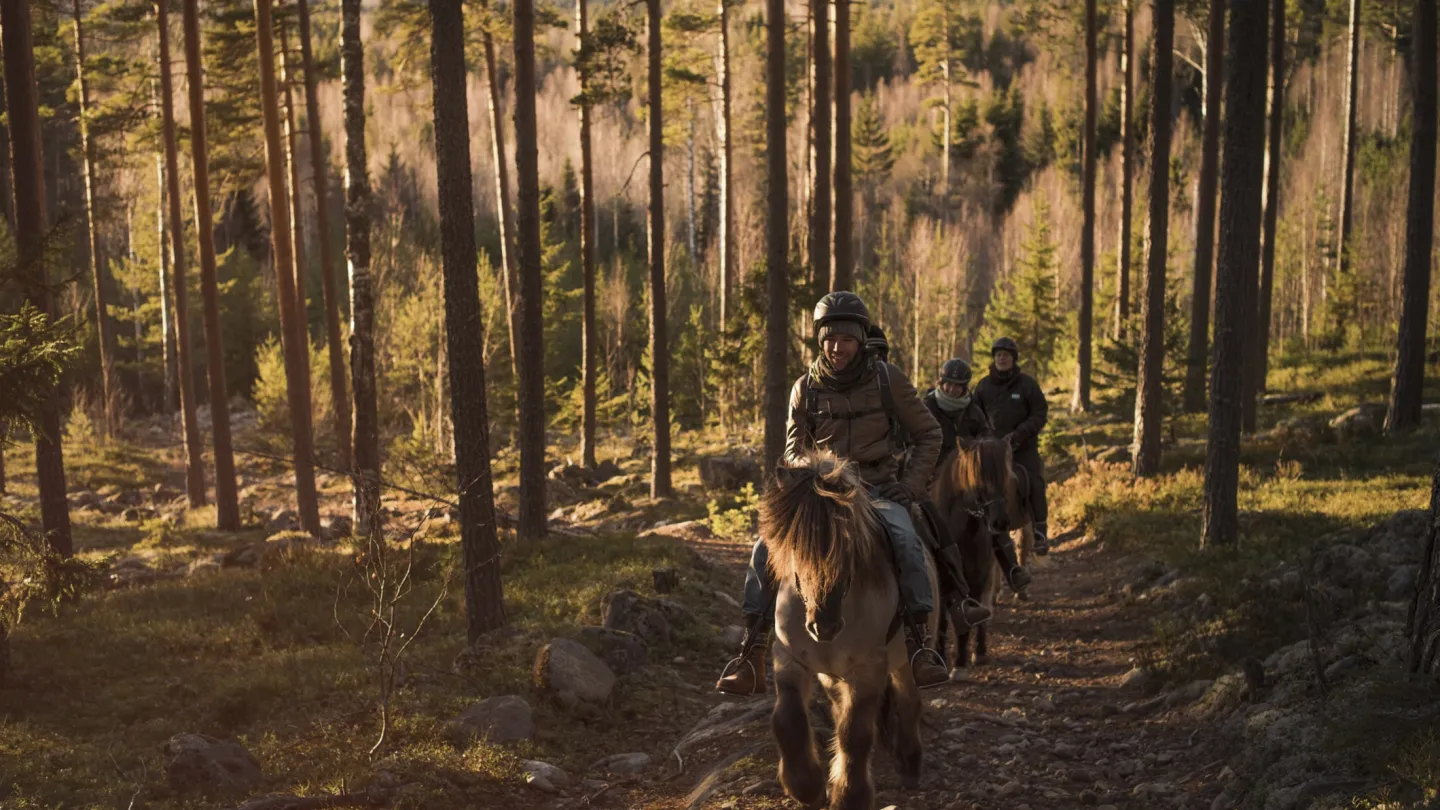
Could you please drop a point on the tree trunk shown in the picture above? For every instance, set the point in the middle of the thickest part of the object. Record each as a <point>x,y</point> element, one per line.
<point>502,197</point>
<point>589,338</point>
<point>31,230</point>
<point>777,240</point>
<point>297,209</point>
<point>227,505</point>
<point>1194,393</point>
<point>194,449</point>
<point>945,156</point>
<point>1409,376</point>
<point>1149,407</point>
<point>1347,183</point>
<point>529,305</point>
<point>820,175</point>
<point>366,439</point>
<point>1259,366</point>
<point>168,367</point>
<point>484,600</point>
<point>297,390</point>
<point>1080,402</point>
<point>1424,620</point>
<point>722,136</point>
<point>319,169</point>
<point>109,390</point>
<point>659,344</point>
<point>1236,266</point>
<point>842,277</point>
<point>1127,170</point>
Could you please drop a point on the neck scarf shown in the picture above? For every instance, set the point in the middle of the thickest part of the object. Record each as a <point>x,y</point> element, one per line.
<point>952,405</point>
<point>825,375</point>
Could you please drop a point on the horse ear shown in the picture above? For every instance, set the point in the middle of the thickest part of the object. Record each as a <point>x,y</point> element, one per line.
<point>785,477</point>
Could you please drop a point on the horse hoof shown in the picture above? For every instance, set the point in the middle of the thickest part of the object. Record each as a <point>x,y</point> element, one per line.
<point>1023,596</point>
<point>981,660</point>
<point>959,675</point>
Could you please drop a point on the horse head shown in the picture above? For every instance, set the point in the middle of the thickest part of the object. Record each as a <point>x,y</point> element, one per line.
<point>985,478</point>
<point>822,534</point>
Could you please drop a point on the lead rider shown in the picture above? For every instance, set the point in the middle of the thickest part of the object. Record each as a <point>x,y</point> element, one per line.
<point>842,405</point>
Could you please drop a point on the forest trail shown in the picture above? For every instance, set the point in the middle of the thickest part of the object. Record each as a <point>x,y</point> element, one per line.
<point>1049,723</point>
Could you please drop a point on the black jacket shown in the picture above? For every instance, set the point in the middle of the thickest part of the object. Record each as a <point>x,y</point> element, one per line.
<point>1016,405</point>
<point>972,424</point>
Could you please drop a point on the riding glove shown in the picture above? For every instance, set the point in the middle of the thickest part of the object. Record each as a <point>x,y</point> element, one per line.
<point>895,492</point>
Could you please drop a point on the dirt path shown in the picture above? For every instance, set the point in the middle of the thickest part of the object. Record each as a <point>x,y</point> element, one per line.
<point>1045,725</point>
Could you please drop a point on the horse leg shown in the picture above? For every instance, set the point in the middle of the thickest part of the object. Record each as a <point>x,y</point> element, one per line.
<point>982,644</point>
<point>858,707</point>
<point>800,772</point>
<point>909,751</point>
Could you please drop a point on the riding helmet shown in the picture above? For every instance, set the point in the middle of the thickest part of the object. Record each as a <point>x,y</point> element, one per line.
<point>841,306</point>
<point>1005,344</point>
<point>877,344</point>
<point>955,371</point>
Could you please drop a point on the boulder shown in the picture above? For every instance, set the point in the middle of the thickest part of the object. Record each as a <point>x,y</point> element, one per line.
<point>1401,586</point>
<point>502,719</point>
<point>566,668</point>
<point>284,520</point>
<point>196,763</point>
<point>623,764</point>
<point>633,613</point>
<point>621,651</point>
<point>729,473</point>
<point>1301,430</point>
<point>1361,422</point>
<point>336,527</point>
<point>692,531</point>
<point>666,579</point>
<point>544,776</point>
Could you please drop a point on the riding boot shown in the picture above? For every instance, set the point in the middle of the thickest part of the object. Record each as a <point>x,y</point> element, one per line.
<point>745,674</point>
<point>1015,576</point>
<point>1042,539</point>
<point>970,611</point>
<point>925,663</point>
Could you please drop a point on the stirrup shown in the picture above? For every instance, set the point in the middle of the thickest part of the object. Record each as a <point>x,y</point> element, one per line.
<point>925,648</point>
<point>960,610</point>
<point>742,658</point>
<point>1010,580</point>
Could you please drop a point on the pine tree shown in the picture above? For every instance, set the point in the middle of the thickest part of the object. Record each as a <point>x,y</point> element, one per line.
<point>530,327</point>
<point>1205,212</point>
<point>842,256</point>
<point>872,156</point>
<point>659,344</point>
<point>1026,307</point>
<point>1081,400</point>
<point>777,239</point>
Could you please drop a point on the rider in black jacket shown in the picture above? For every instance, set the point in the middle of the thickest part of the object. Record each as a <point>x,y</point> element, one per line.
<point>1017,408</point>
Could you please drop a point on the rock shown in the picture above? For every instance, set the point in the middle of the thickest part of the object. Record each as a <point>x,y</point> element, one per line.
<point>201,764</point>
<point>629,611</point>
<point>623,764</point>
<point>1136,678</point>
<point>666,579</point>
<point>284,520</point>
<point>729,473</point>
<point>604,471</point>
<point>129,571</point>
<point>204,565</point>
<point>137,514</point>
<point>1401,586</point>
<point>1360,422</point>
<point>502,719</point>
<point>621,651</point>
<point>1302,430</point>
<point>763,786</point>
<point>336,527</point>
<point>688,531</point>
<point>1187,694</point>
<point>733,635</point>
<point>567,666</point>
<point>544,776</point>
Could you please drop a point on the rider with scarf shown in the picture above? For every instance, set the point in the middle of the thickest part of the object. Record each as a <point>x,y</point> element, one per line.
<point>840,405</point>
<point>962,417</point>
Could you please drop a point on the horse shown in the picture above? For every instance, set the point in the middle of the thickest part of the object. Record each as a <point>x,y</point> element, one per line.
<point>979,496</point>
<point>836,621</point>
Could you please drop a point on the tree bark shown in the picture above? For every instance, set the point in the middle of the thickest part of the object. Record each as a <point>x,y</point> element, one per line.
<point>777,240</point>
<point>1238,258</point>
<point>319,170</point>
<point>1194,392</point>
<point>531,394</point>
<point>1347,183</point>
<point>1409,375</point>
<point>297,209</point>
<point>589,339</point>
<point>168,367</point>
<point>843,275</point>
<point>109,390</point>
<point>227,504</point>
<point>31,229</point>
<point>722,137</point>
<point>1424,619</point>
<point>1149,407</point>
<point>508,280</point>
<point>297,389</point>
<point>484,600</point>
<point>1127,171</point>
<point>1259,366</point>
<point>194,449</point>
<point>820,176</point>
<point>1080,402</point>
<point>366,439</point>
<point>659,343</point>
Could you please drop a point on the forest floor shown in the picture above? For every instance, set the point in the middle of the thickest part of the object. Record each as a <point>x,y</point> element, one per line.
<point>229,635</point>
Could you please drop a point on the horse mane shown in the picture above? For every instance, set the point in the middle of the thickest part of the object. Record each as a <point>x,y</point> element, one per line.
<point>981,469</point>
<point>820,526</point>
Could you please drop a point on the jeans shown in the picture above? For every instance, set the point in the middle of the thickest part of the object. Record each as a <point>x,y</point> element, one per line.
<point>909,556</point>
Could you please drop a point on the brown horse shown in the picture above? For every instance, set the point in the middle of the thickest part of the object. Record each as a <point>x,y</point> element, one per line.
<point>980,497</point>
<point>835,621</point>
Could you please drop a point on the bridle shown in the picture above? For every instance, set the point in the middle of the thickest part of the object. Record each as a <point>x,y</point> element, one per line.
<point>978,512</point>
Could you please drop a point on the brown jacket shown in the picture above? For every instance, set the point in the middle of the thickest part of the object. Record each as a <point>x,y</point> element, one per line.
<point>863,435</point>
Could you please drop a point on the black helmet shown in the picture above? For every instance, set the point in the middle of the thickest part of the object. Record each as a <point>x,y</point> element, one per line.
<point>1005,344</point>
<point>877,344</point>
<point>841,306</point>
<point>955,371</point>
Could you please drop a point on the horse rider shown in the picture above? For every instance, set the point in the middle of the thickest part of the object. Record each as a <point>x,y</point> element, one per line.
<point>1018,410</point>
<point>855,405</point>
<point>962,417</point>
